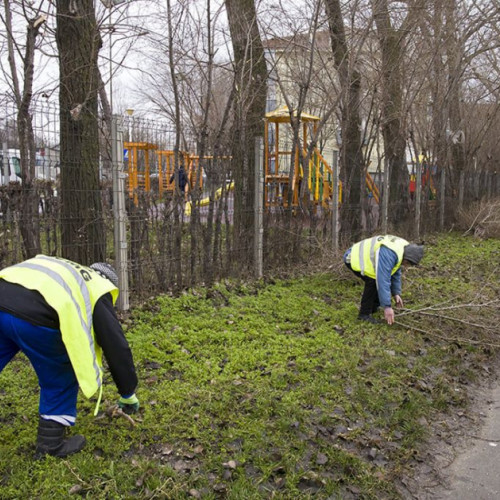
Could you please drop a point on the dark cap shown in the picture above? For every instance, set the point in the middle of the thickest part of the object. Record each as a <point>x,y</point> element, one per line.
<point>413,253</point>
<point>106,271</point>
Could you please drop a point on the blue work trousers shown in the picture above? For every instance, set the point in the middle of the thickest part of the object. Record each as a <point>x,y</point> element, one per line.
<point>46,351</point>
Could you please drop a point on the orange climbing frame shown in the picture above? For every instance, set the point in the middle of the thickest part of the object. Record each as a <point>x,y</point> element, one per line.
<point>166,169</point>
<point>138,168</point>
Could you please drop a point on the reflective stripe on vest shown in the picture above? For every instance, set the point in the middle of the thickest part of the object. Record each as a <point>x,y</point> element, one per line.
<point>364,254</point>
<point>72,291</point>
<point>86,322</point>
<point>361,253</point>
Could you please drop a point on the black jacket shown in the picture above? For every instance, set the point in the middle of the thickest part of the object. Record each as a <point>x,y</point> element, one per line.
<point>183,180</point>
<point>32,307</point>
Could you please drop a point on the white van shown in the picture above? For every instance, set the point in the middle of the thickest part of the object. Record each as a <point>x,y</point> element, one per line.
<point>46,165</point>
<point>10,170</point>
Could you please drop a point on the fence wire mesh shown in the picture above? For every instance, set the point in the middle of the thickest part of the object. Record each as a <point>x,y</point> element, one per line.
<point>187,218</point>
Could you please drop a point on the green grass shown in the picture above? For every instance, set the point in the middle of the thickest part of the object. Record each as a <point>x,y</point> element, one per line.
<point>274,390</point>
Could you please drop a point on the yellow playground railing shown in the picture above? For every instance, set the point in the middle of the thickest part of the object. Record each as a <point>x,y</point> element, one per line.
<point>372,187</point>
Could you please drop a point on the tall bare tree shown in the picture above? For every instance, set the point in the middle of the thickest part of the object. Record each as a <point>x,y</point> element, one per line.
<point>350,82</point>
<point>393,125</point>
<point>78,41</point>
<point>23,92</point>
<point>250,106</point>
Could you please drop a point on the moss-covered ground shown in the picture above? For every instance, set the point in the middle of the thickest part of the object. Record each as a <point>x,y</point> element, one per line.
<point>272,389</point>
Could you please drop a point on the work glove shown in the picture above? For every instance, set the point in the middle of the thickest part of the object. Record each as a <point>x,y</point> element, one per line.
<point>129,405</point>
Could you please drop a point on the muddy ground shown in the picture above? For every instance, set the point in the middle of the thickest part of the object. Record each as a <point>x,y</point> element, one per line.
<point>451,434</point>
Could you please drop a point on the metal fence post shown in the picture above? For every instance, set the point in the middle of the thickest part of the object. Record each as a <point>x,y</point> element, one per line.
<point>335,203</point>
<point>119,212</point>
<point>258,213</point>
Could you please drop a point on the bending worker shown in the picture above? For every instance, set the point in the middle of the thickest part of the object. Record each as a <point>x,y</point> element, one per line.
<point>377,261</point>
<point>60,315</point>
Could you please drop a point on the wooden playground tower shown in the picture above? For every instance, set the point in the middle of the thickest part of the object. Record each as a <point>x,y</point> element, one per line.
<point>283,168</point>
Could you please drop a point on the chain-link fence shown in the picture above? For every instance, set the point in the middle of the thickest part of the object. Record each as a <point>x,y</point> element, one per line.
<point>172,218</point>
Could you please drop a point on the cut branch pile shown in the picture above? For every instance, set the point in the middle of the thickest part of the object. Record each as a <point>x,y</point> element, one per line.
<point>475,322</point>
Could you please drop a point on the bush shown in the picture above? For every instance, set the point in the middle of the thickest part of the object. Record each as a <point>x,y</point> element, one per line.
<point>482,219</point>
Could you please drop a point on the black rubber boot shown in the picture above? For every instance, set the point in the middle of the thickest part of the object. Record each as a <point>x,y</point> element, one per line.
<point>369,318</point>
<point>50,440</point>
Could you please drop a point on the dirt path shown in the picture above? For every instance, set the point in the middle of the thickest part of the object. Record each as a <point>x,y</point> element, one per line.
<point>475,473</point>
<point>462,460</point>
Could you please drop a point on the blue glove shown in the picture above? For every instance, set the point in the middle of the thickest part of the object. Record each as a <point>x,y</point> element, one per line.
<point>129,405</point>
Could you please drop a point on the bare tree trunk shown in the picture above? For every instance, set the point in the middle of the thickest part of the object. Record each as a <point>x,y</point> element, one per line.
<point>454,57</point>
<point>195,226</point>
<point>393,114</point>
<point>250,106</point>
<point>351,153</point>
<point>177,230</point>
<point>213,253</point>
<point>30,224</point>
<point>78,41</point>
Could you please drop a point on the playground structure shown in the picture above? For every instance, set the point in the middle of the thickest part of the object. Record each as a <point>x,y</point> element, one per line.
<point>139,169</point>
<point>205,201</point>
<point>284,173</point>
<point>276,176</point>
<point>372,187</point>
<point>427,177</point>
<point>277,165</point>
<point>138,178</point>
<point>283,168</point>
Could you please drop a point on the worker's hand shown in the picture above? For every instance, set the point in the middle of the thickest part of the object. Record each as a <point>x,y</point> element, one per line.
<point>389,315</point>
<point>398,300</point>
<point>129,405</point>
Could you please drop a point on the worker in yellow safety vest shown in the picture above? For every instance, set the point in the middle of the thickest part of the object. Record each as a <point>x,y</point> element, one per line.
<point>378,261</point>
<point>60,314</point>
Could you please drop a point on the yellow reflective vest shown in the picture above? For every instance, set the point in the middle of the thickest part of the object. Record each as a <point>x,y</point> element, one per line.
<point>364,255</point>
<point>72,290</point>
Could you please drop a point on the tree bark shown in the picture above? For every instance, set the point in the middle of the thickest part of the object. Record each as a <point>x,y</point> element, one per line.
<point>250,107</point>
<point>352,172</point>
<point>178,196</point>
<point>392,111</point>
<point>30,226</point>
<point>78,41</point>
<point>455,57</point>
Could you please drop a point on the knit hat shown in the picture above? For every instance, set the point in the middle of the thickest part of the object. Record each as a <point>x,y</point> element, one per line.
<point>106,271</point>
<point>413,253</point>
